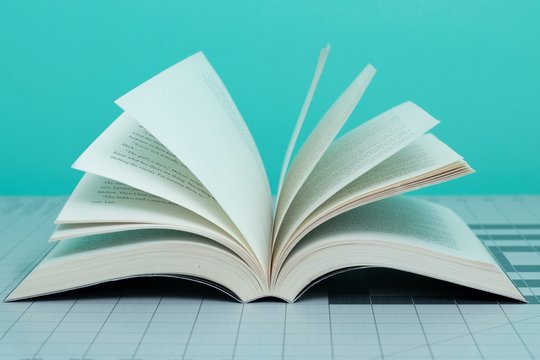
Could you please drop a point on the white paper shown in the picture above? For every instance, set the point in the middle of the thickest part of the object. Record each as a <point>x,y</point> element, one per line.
<point>116,155</point>
<point>188,109</point>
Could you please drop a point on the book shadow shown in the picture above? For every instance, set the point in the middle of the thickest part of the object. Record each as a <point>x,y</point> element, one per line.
<point>389,286</point>
<point>357,286</point>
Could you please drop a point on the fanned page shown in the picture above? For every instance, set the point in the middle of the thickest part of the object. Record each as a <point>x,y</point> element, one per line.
<point>303,112</point>
<point>352,155</point>
<point>424,162</point>
<point>99,205</point>
<point>127,153</point>
<point>319,140</point>
<point>100,200</point>
<point>427,158</point>
<point>188,109</point>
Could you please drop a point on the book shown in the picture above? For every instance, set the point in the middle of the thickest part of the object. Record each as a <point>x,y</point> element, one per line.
<point>175,186</point>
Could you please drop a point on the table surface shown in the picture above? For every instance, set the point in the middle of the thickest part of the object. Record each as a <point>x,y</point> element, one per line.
<point>364,314</point>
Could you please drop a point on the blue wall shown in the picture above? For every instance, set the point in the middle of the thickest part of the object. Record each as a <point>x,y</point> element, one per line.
<point>475,65</point>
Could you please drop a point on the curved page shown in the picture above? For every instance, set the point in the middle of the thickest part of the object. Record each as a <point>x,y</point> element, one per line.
<point>100,205</point>
<point>416,161</point>
<point>188,109</point>
<point>401,233</point>
<point>318,141</point>
<point>323,55</point>
<point>127,153</point>
<point>424,162</point>
<point>354,154</point>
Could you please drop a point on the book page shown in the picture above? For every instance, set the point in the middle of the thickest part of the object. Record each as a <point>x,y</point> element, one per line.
<point>149,252</point>
<point>319,140</point>
<point>399,233</point>
<point>98,199</point>
<point>101,200</point>
<point>100,205</point>
<point>405,221</point>
<point>354,154</point>
<point>127,153</point>
<point>424,156</point>
<point>303,112</point>
<point>188,109</point>
<point>425,162</point>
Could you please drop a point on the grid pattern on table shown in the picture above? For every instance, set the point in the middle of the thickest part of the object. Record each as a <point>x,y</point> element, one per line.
<point>351,316</point>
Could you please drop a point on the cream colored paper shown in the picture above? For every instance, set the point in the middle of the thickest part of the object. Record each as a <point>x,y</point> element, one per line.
<point>423,156</point>
<point>303,112</point>
<point>424,162</point>
<point>354,154</point>
<point>319,140</point>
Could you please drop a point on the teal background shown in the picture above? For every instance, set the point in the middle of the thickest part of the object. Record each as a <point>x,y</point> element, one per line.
<point>474,65</point>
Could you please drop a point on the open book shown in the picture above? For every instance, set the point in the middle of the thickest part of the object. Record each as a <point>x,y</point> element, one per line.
<point>175,186</point>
